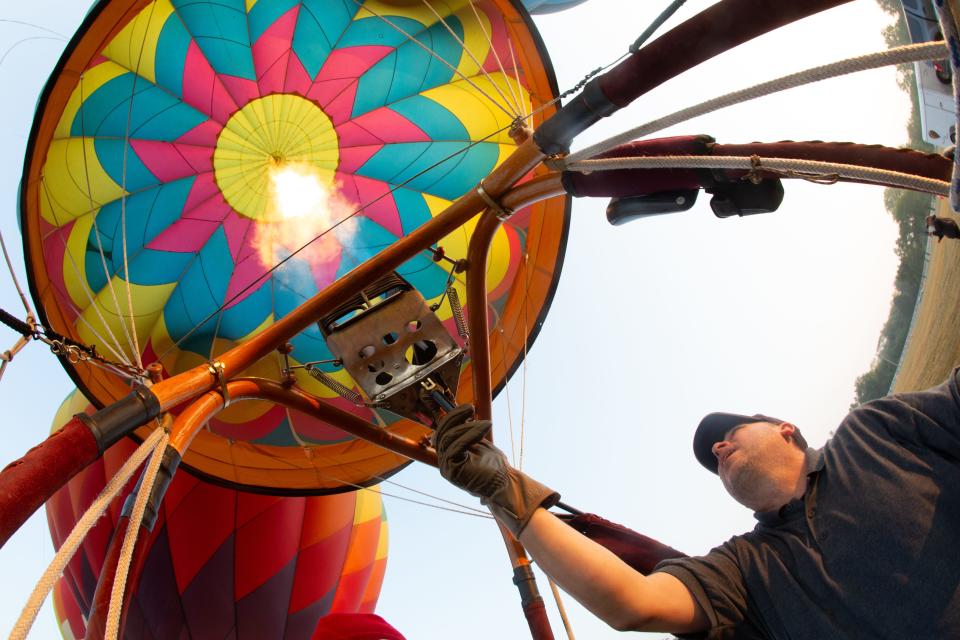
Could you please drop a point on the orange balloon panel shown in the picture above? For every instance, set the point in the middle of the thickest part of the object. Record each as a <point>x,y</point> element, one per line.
<point>225,563</point>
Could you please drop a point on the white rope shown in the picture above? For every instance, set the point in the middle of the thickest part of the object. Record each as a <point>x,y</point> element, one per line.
<point>793,168</point>
<point>130,537</point>
<point>561,609</point>
<point>80,530</point>
<point>899,55</point>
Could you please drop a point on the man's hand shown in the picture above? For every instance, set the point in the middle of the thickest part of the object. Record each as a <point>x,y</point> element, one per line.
<point>472,463</point>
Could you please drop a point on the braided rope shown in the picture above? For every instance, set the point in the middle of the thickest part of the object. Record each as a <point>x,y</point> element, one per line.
<point>80,530</point>
<point>899,55</point>
<point>789,167</point>
<point>130,537</point>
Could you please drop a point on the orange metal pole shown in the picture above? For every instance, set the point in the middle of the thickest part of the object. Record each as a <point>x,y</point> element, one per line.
<point>189,384</point>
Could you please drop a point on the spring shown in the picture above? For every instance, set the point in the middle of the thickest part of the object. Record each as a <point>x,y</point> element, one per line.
<point>457,309</point>
<point>335,386</point>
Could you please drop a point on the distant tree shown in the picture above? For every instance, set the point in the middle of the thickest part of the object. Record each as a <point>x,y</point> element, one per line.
<point>908,209</point>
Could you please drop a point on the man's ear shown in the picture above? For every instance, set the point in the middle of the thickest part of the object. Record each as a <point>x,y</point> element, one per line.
<point>787,429</point>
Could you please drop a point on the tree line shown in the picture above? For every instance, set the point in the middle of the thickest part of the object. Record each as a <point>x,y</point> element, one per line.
<point>909,209</point>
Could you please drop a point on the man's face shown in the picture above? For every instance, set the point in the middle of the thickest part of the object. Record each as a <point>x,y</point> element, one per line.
<point>753,460</point>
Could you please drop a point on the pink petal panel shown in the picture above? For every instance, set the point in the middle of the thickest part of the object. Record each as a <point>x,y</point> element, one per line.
<point>297,80</point>
<point>241,89</point>
<point>169,161</point>
<point>184,236</point>
<point>215,209</point>
<point>246,272</point>
<point>379,204</point>
<point>319,431</point>
<point>54,249</point>
<point>335,97</point>
<point>238,230</point>
<point>352,158</point>
<point>351,134</point>
<point>351,62</point>
<point>202,135</point>
<point>204,188</point>
<point>390,126</point>
<point>271,50</point>
<point>202,90</point>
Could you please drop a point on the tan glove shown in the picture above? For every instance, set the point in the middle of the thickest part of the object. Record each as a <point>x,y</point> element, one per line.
<point>476,466</point>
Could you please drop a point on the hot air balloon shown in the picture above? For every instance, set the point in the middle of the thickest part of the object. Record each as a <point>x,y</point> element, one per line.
<point>199,169</point>
<point>549,6</point>
<point>222,562</point>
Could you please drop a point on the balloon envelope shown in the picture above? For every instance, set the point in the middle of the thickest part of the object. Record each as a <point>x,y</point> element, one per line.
<point>549,6</point>
<point>199,168</point>
<point>225,563</point>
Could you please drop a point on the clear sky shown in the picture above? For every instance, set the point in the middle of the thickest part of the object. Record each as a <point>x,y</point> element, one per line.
<point>653,325</point>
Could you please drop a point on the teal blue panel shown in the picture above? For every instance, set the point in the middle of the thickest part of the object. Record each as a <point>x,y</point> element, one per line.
<point>150,267</point>
<point>374,31</point>
<point>111,96</point>
<point>370,238</point>
<point>171,56</point>
<point>263,14</point>
<point>155,114</point>
<point>456,176</point>
<point>373,87</point>
<point>319,27</point>
<point>417,70</point>
<point>110,153</point>
<point>200,292</point>
<point>438,122</point>
<point>147,214</point>
<point>245,316</point>
<point>442,169</point>
<point>219,27</point>
<point>412,207</point>
<point>428,277</point>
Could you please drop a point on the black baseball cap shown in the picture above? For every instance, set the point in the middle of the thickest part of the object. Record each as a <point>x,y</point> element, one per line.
<point>714,427</point>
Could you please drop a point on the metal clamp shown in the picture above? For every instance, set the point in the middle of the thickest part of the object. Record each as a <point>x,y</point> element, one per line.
<point>217,369</point>
<point>503,214</point>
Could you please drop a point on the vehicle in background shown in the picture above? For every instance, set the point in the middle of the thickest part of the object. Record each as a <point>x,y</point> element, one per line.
<point>933,78</point>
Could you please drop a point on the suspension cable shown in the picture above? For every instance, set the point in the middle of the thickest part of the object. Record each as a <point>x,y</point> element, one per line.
<point>899,55</point>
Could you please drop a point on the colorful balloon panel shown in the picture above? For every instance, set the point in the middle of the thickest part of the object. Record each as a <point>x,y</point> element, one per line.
<point>549,6</point>
<point>200,168</point>
<point>225,563</point>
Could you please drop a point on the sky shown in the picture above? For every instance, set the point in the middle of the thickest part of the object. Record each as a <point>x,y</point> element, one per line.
<point>653,325</point>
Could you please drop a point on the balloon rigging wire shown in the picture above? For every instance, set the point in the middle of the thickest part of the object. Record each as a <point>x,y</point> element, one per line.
<point>513,103</point>
<point>433,54</point>
<point>517,96</point>
<point>13,276</point>
<point>897,55</point>
<point>123,194</point>
<point>118,352</point>
<point>22,41</point>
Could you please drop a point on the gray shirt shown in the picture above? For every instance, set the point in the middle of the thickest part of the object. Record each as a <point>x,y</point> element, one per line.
<point>872,550</point>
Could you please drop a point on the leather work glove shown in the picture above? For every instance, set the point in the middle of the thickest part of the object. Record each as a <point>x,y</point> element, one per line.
<point>476,466</point>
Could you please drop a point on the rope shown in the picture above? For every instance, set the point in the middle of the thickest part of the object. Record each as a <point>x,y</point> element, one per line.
<point>899,55</point>
<point>80,530</point>
<point>948,27</point>
<point>813,170</point>
<point>130,538</point>
<point>13,276</point>
<point>560,608</point>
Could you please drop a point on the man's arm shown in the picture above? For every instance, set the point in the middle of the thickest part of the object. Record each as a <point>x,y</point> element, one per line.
<point>622,597</point>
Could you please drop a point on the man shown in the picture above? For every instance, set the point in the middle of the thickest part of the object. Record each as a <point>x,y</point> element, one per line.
<point>858,539</point>
<point>938,227</point>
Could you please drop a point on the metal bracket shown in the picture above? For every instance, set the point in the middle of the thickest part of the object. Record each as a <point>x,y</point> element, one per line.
<point>503,214</point>
<point>216,369</point>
